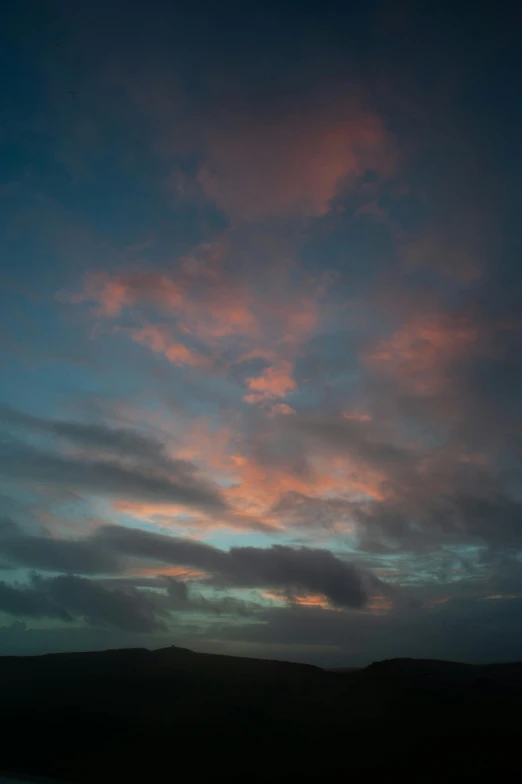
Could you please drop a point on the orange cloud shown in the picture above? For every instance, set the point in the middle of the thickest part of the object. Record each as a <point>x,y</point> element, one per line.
<point>167,571</point>
<point>303,600</point>
<point>379,605</point>
<point>252,486</point>
<point>260,486</point>
<point>276,381</point>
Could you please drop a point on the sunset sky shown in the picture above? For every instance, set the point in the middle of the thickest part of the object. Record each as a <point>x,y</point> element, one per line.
<point>261,329</point>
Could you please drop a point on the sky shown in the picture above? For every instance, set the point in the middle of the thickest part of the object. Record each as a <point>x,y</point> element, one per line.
<point>261,329</point>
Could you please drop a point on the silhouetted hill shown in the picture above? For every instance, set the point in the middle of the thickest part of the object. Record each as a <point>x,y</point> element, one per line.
<point>141,661</point>
<point>133,715</point>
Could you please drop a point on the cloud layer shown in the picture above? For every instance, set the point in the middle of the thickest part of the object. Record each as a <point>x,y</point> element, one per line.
<point>261,332</point>
<point>294,570</point>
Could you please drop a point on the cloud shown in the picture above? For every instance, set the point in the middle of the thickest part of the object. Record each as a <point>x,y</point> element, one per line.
<point>27,602</point>
<point>275,382</point>
<point>281,409</point>
<point>314,514</point>
<point>315,571</point>
<point>328,331</point>
<point>158,339</point>
<point>115,440</point>
<point>177,589</point>
<point>130,610</point>
<point>109,548</point>
<point>295,569</point>
<point>292,163</point>
<point>58,555</point>
<point>421,494</point>
<point>100,477</point>
<point>421,352</point>
<point>430,513</point>
<point>71,598</point>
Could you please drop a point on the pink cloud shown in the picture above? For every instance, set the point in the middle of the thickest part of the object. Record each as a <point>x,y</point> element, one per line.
<point>212,314</point>
<point>419,354</point>
<point>291,164</point>
<point>113,293</point>
<point>281,409</point>
<point>158,339</point>
<point>276,381</point>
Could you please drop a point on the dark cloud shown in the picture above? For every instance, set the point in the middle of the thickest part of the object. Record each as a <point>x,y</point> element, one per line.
<point>183,597</point>
<point>291,569</point>
<point>104,477</point>
<point>130,610</point>
<point>161,547</point>
<point>59,555</point>
<point>288,568</point>
<point>466,629</point>
<point>295,569</point>
<point>71,598</point>
<point>433,508</point>
<point>115,440</point>
<point>28,602</point>
<point>177,589</point>
<point>476,629</point>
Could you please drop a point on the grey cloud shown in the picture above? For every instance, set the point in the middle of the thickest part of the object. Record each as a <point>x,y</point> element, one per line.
<point>160,547</point>
<point>60,555</point>
<point>468,629</point>
<point>473,629</point>
<point>177,589</point>
<point>432,495</point>
<point>130,610</point>
<point>434,510</point>
<point>317,571</point>
<point>361,438</point>
<point>182,597</point>
<point>292,569</point>
<point>288,568</point>
<point>173,594</point>
<point>119,440</point>
<point>304,511</point>
<point>22,461</point>
<point>71,598</point>
<point>27,602</point>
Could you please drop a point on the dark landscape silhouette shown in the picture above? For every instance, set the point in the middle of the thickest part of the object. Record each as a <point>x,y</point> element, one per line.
<point>133,715</point>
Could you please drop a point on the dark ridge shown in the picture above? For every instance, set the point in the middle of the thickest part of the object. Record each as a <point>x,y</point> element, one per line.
<point>421,668</point>
<point>141,715</point>
<point>142,661</point>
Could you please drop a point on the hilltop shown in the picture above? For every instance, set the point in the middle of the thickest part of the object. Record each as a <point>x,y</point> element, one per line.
<point>111,715</point>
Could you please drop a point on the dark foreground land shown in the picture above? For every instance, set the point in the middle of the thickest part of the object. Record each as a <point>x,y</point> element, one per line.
<point>171,715</point>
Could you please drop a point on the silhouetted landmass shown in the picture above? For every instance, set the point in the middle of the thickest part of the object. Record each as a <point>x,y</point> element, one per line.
<point>139,715</point>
